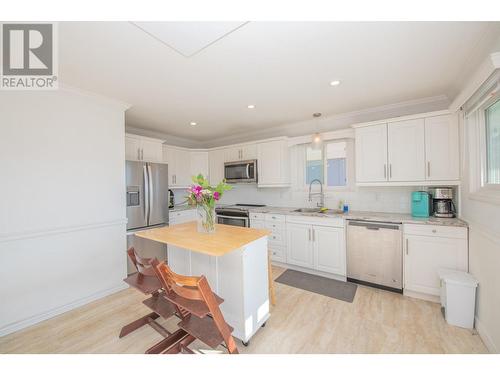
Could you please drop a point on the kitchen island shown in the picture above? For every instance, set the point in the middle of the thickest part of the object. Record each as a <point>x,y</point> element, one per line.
<point>235,262</point>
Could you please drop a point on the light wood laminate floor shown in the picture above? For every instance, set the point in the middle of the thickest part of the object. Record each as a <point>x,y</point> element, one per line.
<point>301,322</point>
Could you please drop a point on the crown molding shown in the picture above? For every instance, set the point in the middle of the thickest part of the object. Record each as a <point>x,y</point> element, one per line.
<point>336,122</point>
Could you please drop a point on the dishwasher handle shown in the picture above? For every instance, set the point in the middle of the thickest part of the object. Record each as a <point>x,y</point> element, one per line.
<point>373,226</point>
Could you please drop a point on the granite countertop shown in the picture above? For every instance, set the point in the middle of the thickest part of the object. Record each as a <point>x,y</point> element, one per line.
<point>365,215</point>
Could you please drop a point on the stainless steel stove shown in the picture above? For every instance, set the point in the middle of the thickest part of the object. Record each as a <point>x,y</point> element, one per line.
<point>237,215</point>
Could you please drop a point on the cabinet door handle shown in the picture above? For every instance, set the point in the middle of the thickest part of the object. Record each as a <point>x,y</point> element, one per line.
<point>428,169</point>
<point>142,154</point>
<point>390,170</point>
<point>407,246</point>
<point>309,232</point>
<point>385,170</point>
<point>138,154</point>
<point>314,235</point>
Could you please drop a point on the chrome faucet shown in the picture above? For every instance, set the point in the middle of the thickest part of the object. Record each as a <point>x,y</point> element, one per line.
<point>321,203</point>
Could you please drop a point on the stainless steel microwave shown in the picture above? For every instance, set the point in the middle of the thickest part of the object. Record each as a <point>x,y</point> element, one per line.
<point>241,171</point>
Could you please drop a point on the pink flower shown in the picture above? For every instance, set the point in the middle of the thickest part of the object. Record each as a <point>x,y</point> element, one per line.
<point>196,190</point>
<point>216,195</point>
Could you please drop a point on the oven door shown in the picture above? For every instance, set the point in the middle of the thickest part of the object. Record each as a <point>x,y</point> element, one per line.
<point>237,221</point>
<point>241,171</point>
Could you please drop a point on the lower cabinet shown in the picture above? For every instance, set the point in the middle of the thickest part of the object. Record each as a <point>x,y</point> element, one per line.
<point>321,248</point>
<point>329,249</point>
<point>428,248</point>
<point>300,249</point>
<point>276,242</point>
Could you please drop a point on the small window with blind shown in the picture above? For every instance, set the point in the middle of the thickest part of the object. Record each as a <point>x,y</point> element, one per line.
<point>482,141</point>
<point>327,164</point>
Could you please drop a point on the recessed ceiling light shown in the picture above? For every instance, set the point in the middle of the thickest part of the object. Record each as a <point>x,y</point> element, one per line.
<point>251,106</point>
<point>192,123</point>
<point>334,83</point>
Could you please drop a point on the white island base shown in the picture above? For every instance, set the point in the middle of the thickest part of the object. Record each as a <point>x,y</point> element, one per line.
<point>240,277</point>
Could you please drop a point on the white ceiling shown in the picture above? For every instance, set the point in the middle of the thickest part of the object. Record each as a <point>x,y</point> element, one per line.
<point>283,68</point>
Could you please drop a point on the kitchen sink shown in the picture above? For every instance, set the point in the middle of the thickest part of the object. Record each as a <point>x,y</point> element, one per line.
<point>318,211</point>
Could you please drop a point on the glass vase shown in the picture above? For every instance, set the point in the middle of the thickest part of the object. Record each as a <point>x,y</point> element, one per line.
<point>205,219</point>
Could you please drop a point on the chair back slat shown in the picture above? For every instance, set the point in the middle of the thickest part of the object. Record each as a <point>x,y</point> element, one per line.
<point>142,265</point>
<point>195,288</point>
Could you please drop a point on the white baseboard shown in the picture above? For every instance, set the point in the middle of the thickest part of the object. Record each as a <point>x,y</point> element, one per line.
<point>308,270</point>
<point>13,327</point>
<point>424,296</point>
<point>483,333</point>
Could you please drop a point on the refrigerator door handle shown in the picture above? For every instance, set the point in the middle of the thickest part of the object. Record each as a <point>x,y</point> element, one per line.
<point>151,193</point>
<point>146,193</point>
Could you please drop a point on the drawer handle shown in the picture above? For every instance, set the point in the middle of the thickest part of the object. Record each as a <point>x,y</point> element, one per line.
<point>434,231</point>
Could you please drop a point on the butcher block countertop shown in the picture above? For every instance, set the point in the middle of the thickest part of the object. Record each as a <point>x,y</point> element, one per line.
<point>225,239</point>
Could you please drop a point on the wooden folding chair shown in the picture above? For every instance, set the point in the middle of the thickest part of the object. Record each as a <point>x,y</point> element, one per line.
<point>198,307</point>
<point>146,281</point>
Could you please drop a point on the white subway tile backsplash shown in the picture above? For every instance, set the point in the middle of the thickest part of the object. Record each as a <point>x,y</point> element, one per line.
<point>388,199</point>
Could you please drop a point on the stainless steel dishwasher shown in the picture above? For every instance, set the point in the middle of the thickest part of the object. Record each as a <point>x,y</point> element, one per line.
<point>375,254</point>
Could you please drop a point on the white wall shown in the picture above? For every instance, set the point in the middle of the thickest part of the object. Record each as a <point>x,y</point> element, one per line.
<point>484,229</point>
<point>484,255</point>
<point>62,211</point>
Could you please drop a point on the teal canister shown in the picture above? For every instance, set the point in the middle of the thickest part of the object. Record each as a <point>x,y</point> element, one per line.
<point>420,204</point>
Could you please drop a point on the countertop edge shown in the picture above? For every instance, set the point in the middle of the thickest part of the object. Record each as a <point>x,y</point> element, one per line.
<point>403,218</point>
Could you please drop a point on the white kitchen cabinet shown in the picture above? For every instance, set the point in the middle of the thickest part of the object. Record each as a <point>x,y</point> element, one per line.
<point>272,164</point>
<point>179,166</point>
<point>371,153</point>
<point>216,166</point>
<point>232,154</point>
<point>139,148</point>
<point>299,249</point>
<point>317,245</point>
<point>132,148</point>
<point>329,249</point>
<point>199,163</point>
<point>181,216</point>
<point>249,152</point>
<point>277,238</point>
<point>241,152</point>
<point>408,151</point>
<point>405,145</point>
<point>441,148</point>
<point>428,248</point>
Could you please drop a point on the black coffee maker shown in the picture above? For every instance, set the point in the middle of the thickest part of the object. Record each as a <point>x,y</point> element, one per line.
<point>171,198</point>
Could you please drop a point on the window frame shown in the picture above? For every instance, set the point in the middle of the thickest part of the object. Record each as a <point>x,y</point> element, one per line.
<point>479,188</point>
<point>349,166</point>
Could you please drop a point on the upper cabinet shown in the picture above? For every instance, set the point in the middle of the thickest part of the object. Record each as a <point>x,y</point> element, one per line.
<point>371,153</point>
<point>441,148</point>
<point>216,160</point>
<point>416,150</point>
<point>139,148</point>
<point>183,164</point>
<point>272,164</point>
<point>242,152</point>
<point>405,150</point>
<point>199,163</point>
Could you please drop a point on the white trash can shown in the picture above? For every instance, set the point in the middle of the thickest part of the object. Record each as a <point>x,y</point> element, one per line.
<point>458,297</point>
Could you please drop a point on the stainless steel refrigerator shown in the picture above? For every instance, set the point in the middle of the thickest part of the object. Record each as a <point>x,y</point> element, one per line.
<point>147,205</point>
